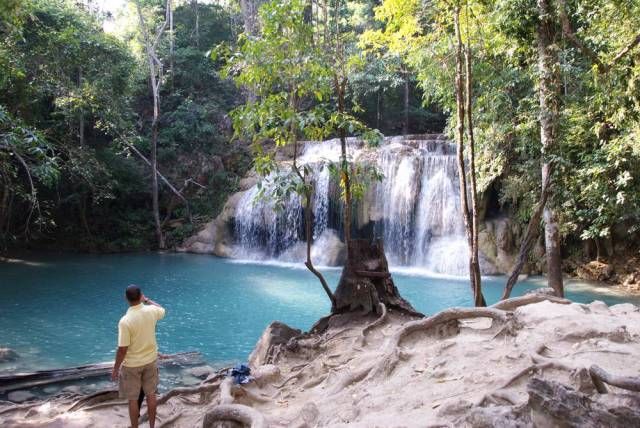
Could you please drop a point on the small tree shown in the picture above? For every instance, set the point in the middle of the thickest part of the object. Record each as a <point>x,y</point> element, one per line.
<point>280,64</point>
<point>155,79</point>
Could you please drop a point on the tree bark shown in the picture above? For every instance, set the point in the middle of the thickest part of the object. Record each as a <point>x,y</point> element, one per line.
<point>155,74</point>
<point>344,164</point>
<point>171,41</point>
<point>475,261</point>
<point>530,236</point>
<point>196,23</point>
<point>307,211</point>
<point>405,122</point>
<point>474,270</point>
<point>81,113</point>
<point>548,64</point>
<point>366,282</point>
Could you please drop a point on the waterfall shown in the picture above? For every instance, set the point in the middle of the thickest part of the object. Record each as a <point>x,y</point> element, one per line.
<point>415,209</point>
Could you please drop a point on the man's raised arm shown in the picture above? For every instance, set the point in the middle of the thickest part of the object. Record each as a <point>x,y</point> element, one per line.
<point>161,310</point>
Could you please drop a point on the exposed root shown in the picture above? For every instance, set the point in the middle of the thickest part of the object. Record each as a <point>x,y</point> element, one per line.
<point>170,420</point>
<point>380,320</point>
<point>498,398</point>
<point>104,405</point>
<point>388,363</point>
<point>200,389</point>
<point>599,377</point>
<point>226,396</point>
<point>289,379</point>
<point>234,412</point>
<point>98,397</point>
<point>314,382</point>
<point>350,378</point>
<point>18,407</point>
<point>253,396</point>
<point>516,302</point>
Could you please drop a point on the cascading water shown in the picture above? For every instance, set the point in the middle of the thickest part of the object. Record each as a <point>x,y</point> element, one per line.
<point>415,209</point>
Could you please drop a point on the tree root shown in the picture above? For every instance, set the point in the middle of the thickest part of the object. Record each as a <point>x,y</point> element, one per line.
<point>226,396</point>
<point>170,420</point>
<point>394,354</point>
<point>175,392</point>
<point>527,299</point>
<point>380,320</point>
<point>599,377</point>
<point>234,412</point>
<point>350,378</point>
<point>200,389</point>
<point>18,407</point>
<point>314,382</point>
<point>89,400</point>
<point>103,405</point>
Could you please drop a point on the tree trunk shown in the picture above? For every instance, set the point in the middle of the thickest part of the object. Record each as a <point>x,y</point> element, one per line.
<point>81,113</point>
<point>154,182</point>
<point>474,273</point>
<point>475,261</point>
<point>155,80</point>
<point>196,23</point>
<point>378,108</point>
<point>405,122</point>
<point>83,215</point>
<point>344,167</point>
<point>308,218</point>
<point>548,64</point>
<point>548,88</point>
<point>171,42</point>
<point>366,282</point>
<point>309,263</point>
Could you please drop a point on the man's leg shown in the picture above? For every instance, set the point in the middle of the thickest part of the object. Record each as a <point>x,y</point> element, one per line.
<point>152,404</point>
<point>134,414</point>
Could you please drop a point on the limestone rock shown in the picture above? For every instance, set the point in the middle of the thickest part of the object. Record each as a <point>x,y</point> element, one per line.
<point>7,354</point>
<point>553,404</point>
<point>596,271</point>
<point>201,372</point>
<point>249,181</point>
<point>203,242</point>
<point>20,396</point>
<point>265,374</point>
<point>275,336</point>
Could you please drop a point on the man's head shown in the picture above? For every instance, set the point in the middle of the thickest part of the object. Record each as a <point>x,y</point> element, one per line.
<point>133,294</point>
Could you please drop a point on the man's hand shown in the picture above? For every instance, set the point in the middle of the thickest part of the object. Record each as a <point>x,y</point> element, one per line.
<point>114,374</point>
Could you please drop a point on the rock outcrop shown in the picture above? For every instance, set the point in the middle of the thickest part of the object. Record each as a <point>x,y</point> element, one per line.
<point>7,354</point>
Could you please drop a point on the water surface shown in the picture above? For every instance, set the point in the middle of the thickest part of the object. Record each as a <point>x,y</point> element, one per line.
<point>63,310</point>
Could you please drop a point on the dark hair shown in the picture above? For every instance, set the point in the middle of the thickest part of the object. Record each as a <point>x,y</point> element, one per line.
<point>133,293</point>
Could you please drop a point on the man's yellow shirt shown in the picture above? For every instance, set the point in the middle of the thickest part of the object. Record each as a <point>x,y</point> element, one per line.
<point>137,331</point>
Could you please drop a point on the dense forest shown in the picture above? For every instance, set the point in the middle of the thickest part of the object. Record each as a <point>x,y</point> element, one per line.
<point>131,137</point>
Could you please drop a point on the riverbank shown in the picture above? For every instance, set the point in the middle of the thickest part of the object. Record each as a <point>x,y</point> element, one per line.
<point>466,367</point>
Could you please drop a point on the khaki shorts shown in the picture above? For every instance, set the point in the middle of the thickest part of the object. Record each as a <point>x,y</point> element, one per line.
<point>133,378</point>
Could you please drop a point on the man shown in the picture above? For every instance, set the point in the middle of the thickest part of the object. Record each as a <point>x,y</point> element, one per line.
<point>137,353</point>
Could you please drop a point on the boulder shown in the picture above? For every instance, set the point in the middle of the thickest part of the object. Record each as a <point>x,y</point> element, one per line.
<point>20,396</point>
<point>249,181</point>
<point>556,405</point>
<point>273,339</point>
<point>7,354</point>
<point>203,242</point>
<point>596,271</point>
<point>201,372</point>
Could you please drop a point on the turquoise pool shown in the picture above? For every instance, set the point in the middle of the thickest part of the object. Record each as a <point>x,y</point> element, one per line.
<point>62,310</point>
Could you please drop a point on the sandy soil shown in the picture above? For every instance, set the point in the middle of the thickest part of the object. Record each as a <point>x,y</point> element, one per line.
<point>452,369</point>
